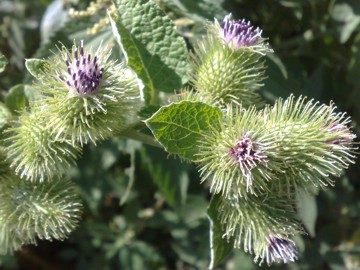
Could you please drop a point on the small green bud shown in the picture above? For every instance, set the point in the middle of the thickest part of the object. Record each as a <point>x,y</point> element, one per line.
<point>33,151</point>
<point>47,210</point>
<point>313,141</point>
<point>11,239</point>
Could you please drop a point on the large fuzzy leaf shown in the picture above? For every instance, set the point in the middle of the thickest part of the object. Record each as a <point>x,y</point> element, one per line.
<point>152,46</point>
<point>179,127</point>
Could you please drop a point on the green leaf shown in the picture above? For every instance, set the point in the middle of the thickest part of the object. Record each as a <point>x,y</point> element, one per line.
<point>172,179</point>
<point>4,115</point>
<point>19,97</point>
<point>36,67</point>
<point>138,256</point>
<point>307,210</point>
<point>180,126</point>
<point>200,10</point>
<point>151,45</point>
<point>193,212</point>
<point>220,248</point>
<point>188,226</point>
<point>148,111</point>
<point>349,21</point>
<point>277,61</point>
<point>3,62</point>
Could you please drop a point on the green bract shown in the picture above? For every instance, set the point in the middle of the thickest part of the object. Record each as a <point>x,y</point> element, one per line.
<point>11,239</point>
<point>229,176</point>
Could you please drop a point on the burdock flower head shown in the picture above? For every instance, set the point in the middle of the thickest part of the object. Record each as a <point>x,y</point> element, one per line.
<point>261,225</point>
<point>87,96</point>
<point>342,136</point>
<point>239,33</point>
<point>246,154</point>
<point>228,63</point>
<point>235,157</point>
<point>314,142</point>
<point>32,211</point>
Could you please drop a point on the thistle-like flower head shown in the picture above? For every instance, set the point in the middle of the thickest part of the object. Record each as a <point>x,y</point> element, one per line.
<point>88,96</point>
<point>228,63</point>
<point>261,225</point>
<point>239,33</point>
<point>83,72</point>
<point>314,141</point>
<point>235,157</point>
<point>342,136</point>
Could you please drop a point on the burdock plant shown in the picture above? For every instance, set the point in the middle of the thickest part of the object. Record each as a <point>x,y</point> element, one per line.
<point>84,98</point>
<point>253,158</point>
<point>258,159</point>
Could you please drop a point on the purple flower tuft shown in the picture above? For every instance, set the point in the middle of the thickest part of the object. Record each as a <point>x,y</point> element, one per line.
<point>239,33</point>
<point>280,250</point>
<point>344,137</point>
<point>245,153</point>
<point>83,72</point>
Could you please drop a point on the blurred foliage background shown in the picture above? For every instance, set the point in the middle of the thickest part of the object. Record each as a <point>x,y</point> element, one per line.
<point>145,210</point>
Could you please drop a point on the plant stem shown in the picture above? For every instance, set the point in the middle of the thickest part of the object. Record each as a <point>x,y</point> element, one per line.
<point>142,137</point>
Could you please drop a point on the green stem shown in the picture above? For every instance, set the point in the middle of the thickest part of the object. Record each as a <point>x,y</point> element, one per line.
<point>142,137</point>
<point>154,97</point>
